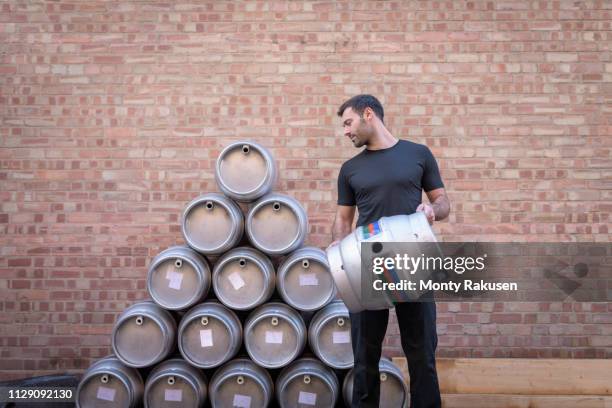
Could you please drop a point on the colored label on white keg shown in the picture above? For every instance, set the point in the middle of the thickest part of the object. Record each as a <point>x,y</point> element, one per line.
<point>339,337</point>
<point>105,394</point>
<point>175,280</point>
<point>206,339</point>
<point>309,279</point>
<point>370,230</point>
<point>241,401</point>
<point>307,398</point>
<point>173,395</point>
<point>236,280</point>
<point>274,337</point>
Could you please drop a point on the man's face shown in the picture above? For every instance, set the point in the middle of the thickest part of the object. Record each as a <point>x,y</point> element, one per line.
<point>356,128</point>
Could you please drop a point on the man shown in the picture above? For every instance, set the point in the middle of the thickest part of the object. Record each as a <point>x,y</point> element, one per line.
<point>385,179</point>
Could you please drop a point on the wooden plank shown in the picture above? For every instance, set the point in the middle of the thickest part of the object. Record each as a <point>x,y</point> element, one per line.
<point>524,401</point>
<point>522,376</point>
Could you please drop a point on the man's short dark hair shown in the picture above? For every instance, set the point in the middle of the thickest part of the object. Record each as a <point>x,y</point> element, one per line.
<point>360,102</point>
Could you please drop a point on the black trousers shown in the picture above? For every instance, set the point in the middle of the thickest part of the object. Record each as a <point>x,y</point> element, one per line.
<point>417,324</point>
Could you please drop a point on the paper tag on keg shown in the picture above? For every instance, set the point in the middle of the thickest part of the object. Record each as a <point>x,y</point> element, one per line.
<point>341,337</point>
<point>236,280</point>
<point>106,394</point>
<point>274,337</point>
<point>309,279</point>
<point>176,278</point>
<point>307,398</point>
<point>206,339</point>
<point>241,401</point>
<point>173,395</point>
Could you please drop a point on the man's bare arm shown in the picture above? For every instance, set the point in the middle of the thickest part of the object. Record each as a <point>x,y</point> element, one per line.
<point>439,206</point>
<point>343,222</point>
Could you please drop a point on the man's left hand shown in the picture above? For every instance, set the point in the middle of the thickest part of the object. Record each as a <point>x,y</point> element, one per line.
<point>429,212</point>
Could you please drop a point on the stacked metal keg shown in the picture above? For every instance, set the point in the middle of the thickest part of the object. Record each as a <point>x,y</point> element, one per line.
<point>269,333</point>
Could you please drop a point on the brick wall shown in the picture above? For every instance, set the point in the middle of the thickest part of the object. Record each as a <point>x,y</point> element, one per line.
<point>114,112</point>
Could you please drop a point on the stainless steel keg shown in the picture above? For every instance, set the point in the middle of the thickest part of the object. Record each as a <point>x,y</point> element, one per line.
<point>245,171</point>
<point>243,278</point>
<point>394,391</point>
<point>209,335</point>
<point>178,278</point>
<point>109,383</point>
<point>143,335</point>
<point>307,382</point>
<point>277,224</point>
<point>212,224</point>
<point>329,335</point>
<point>274,335</point>
<point>345,257</point>
<point>175,383</point>
<point>304,280</point>
<point>241,383</point>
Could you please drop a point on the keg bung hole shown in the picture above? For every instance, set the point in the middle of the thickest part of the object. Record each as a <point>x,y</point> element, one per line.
<point>209,205</point>
<point>274,321</point>
<point>242,262</point>
<point>171,380</point>
<point>276,206</point>
<point>240,380</point>
<point>246,149</point>
<point>204,320</point>
<point>178,263</point>
<point>305,263</point>
<point>104,378</point>
<point>139,320</point>
<point>340,321</point>
<point>306,379</point>
<point>383,377</point>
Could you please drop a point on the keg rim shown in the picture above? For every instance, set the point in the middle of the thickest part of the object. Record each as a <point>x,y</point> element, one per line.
<point>257,191</point>
<point>243,367</point>
<point>313,254</point>
<point>156,377</point>
<point>334,310</point>
<point>341,280</point>
<point>123,317</point>
<point>281,313</point>
<point>254,256</point>
<point>175,251</point>
<point>91,373</point>
<point>298,211</point>
<point>230,207</point>
<point>211,310</point>
<point>286,378</point>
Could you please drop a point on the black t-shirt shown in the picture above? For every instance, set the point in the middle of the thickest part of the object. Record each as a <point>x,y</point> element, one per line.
<point>389,181</point>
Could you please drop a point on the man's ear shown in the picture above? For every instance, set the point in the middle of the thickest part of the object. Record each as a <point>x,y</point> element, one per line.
<point>368,114</point>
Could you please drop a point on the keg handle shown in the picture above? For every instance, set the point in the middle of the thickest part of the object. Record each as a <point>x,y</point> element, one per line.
<point>340,321</point>
<point>242,262</point>
<point>246,149</point>
<point>209,205</point>
<point>305,263</point>
<point>139,320</point>
<point>204,320</point>
<point>104,379</point>
<point>171,380</point>
<point>240,380</point>
<point>178,263</point>
<point>276,206</point>
<point>383,377</point>
<point>306,379</point>
<point>274,321</point>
